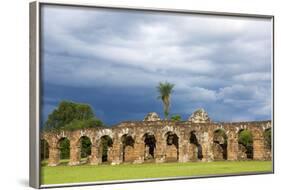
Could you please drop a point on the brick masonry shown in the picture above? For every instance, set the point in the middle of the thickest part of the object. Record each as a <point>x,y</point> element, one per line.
<point>173,142</point>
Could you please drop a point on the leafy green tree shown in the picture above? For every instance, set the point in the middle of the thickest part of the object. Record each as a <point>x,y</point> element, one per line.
<point>82,124</point>
<point>70,116</point>
<point>176,118</point>
<point>165,90</point>
<point>64,146</point>
<point>86,146</point>
<point>245,138</point>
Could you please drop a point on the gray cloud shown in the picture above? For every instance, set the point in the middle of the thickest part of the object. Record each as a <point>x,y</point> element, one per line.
<point>211,59</point>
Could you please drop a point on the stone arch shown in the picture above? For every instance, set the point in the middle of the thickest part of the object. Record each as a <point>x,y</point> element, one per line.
<point>245,144</point>
<point>105,148</point>
<point>267,143</point>
<point>169,129</point>
<point>44,149</point>
<point>63,135</point>
<point>172,146</point>
<point>128,143</point>
<point>267,138</point>
<point>84,147</point>
<point>220,144</point>
<point>190,138</point>
<point>64,150</point>
<point>195,148</point>
<point>149,146</point>
<point>104,132</point>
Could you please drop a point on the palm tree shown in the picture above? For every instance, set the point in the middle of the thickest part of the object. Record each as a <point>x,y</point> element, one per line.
<point>165,90</point>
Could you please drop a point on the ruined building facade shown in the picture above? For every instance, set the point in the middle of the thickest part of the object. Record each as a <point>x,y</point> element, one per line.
<point>155,140</point>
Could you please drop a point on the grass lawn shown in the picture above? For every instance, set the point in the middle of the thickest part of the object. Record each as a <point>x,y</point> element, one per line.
<point>87,173</point>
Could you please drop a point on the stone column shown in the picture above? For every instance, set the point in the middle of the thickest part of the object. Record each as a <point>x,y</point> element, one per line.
<point>206,143</point>
<point>109,155</point>
<point>74,153</point>
<point>95,157</point>
<point>258,146</point>
<point>116,152</point>
<point>160,148</point>
<point>139,150</point>
<point>232,145</point>
<point>54,155</point>
<point>210,146</point>
<point>183,150</point>
<point>267,150</point>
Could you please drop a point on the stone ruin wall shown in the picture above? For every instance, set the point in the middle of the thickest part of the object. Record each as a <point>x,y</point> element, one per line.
<point>178,148</point>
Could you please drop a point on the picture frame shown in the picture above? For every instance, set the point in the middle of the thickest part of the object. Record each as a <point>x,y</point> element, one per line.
<point>37,94</point>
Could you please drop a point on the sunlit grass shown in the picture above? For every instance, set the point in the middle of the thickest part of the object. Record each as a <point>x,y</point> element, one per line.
<point>87,173</point>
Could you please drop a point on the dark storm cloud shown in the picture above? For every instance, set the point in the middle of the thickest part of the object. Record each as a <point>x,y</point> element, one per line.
<point>114,59</point>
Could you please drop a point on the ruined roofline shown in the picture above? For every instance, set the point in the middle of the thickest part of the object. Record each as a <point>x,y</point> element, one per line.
<point>198,118</point>
<point>243,122</point>
<point>61,130</point>
<point>137,123</point>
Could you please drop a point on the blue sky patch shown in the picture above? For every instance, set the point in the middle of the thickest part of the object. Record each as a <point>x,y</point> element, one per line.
<point>114,59</point>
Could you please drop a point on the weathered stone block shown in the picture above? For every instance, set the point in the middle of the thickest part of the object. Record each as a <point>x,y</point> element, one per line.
<point>179,148</point>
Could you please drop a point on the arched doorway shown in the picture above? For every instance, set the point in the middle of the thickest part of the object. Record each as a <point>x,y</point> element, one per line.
<point>127,148</point>
<point>245,145</point>
<point>64,150</point>
<point>267,143</point>
<point>44,151</point>
<point>149,146</point>
<point>172,147</point>
<point>195,149</point>
<point>85,149</point>
<point>220,145</point>
<point>105,148</point>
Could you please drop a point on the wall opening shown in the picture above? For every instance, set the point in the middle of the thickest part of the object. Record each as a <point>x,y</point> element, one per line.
<point>85,149</point>
<point>245,144</point>
<point>267,138</point>
<point>172,146</point>
<point>105,148</point>
<point>220,145</point>
<point>149,146</point>
<point>44,150</point>
<point>267,143</point>
<point>64,150</point>
<point>195,150</point>
<point>127,148</point>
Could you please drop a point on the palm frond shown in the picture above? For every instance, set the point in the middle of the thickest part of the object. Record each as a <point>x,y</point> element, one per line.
<point>165,89</point>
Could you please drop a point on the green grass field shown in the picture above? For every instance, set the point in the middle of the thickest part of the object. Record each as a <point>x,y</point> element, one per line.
<point>87,173</point>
